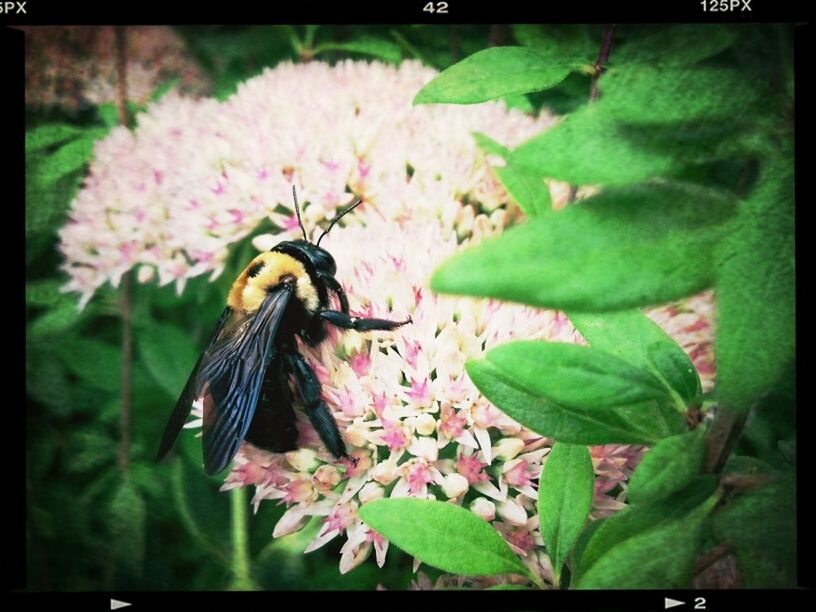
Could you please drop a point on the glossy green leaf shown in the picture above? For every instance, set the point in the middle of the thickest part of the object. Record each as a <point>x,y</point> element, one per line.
<point>658,94</point>
<point>643,423</point>
<point>573,375</point>
<point>635,246</point>
<point>589,147</point>
<point>368,45</point>
<point>677,369</point>
<point>443,535</point>
<point>565,492</point>
<point>495,73</point>
<point>168,353</point>
<point>650,536</point>
<point>631,335</point>
<point>672,464</point>
<point>756,305</point>
<point>678,45</point>
<point>527,188</point>
<point>761,528</point>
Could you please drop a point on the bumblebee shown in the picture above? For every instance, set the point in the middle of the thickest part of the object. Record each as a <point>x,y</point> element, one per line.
<point>243,376</point>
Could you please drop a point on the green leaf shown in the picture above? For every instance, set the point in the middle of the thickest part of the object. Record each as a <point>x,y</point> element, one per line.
<point>678,45</point>
<point>583,539</point>
<point>520,102</point>
<point>525,187</point>
<point>651,546</point>
<point>377,47</point>
<point>631,335</point>
<point>95,362</point>
<point>671,465</point>
<point>47,383</point>
<point>70,157</point>
<point>89,450</point>
<point>443,535</point>
<point>57,319</point>
<point>164,89</point>
<point>643,423</point>
<point>761,527</point>
<point>168,353</point>
<point>127,529</point>
<point>588,147</point>
<point>565,492</point>
<point>658,94</point>
<point>558,40</point>
<point>495,73</point>
<point>49,135</point>
<point>490,146</point>
<point>677,369</point>
<point>756,291</point>
<point>635,246</point>
<point>46,200</point>
<point>45,293</point>
<point>572,375</point>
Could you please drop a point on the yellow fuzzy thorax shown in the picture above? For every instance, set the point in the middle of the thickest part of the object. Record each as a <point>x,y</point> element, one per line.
<point>248,292</point>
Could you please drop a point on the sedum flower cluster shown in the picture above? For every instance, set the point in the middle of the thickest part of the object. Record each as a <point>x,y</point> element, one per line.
<point>198,175</point>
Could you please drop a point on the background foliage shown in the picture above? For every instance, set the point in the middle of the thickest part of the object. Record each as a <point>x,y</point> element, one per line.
<point>713,120</point>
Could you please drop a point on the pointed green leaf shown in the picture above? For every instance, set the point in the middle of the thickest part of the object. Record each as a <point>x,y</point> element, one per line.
<point>756,305</point>
<point>635,246</point>
<point>443,535</point>
<point>495,73</point>
<point>527,188</point>
<point>631,335</point>
<point>572,375</point>
<point>643,423</point>
<point>677,369</point>
<point>565,492</point>
<point>671,465</point>
<point>761,527</point>
<point>649,94</point>
<point>589,147</point>
<point>645,547</point>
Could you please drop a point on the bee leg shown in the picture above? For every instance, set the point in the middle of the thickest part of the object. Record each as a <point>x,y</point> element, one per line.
<point>316,409</point>
<point>344,321</point>
<point>335,286</point>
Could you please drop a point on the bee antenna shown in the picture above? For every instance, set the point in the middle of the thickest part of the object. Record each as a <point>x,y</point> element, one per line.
<point>297,211</point>
<point>336,219</point>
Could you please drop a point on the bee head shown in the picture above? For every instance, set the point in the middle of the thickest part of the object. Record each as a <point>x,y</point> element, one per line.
<point>321,259</point>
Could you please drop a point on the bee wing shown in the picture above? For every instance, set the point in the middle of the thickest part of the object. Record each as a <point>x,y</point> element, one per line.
<point>191,391</point>
<point>231,377</point>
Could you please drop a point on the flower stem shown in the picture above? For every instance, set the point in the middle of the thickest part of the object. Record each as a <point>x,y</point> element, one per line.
<point>126,382</point>
<point>241,578</point>
<point>721,438</point>
<point>126,297</point>
<point>597,71</point>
